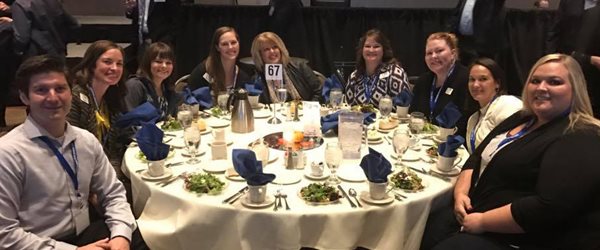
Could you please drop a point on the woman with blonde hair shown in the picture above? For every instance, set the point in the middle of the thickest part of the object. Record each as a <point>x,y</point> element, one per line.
<point>299,79</point>
<point>221,70</point>
<point>534,180</point>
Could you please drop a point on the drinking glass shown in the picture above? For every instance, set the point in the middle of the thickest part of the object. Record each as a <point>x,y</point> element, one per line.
<point>335,98</point>
<point>333,159</point>
<point>184,115</point>
<point>350,131</point>
<point>191,136</point>
<point>385,106</point>
<point>401,142</point>
<point>222,101</point>
<point>417,122</point>
<point>281,96</point>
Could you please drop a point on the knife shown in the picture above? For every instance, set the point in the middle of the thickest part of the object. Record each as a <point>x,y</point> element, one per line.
<point>346,195</point>
<point>173,164</point>
<point>239,193</point>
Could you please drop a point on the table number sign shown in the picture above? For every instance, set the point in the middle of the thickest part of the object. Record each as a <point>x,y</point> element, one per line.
<point>274,72</point>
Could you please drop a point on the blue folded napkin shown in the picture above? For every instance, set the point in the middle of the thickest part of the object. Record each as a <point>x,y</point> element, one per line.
<point>140,114</point>
<point>149,139</point>
<point>449,147</point>
<point>330,83</point>
<point>245,163</point>
<point>204,97</point>
<point>376,167</point>
<point>403,99</point>
<point>254,88</point>
<point>331,121</point>
<point>449,116</point>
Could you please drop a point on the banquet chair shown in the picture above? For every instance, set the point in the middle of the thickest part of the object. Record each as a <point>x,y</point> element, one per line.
<point>321,77</point>
<point>181,83</point>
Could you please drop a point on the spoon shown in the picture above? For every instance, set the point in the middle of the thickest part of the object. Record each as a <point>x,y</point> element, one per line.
<point>352,193</point>
<point>284,196</point>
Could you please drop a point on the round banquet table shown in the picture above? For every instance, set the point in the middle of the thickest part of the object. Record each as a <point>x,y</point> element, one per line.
<point>171,217</point>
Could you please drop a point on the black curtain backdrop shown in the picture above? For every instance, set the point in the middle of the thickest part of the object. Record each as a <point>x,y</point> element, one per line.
<point>326,34</point>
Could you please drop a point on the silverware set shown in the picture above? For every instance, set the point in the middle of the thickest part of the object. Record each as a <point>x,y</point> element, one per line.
<point>171,180</point>
<point>233,198</point>
<point>346,195</point>
<point>278,204</point>
<point>431,173</point>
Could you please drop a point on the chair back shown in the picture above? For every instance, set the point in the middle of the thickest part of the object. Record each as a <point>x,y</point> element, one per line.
<point>181,83</point>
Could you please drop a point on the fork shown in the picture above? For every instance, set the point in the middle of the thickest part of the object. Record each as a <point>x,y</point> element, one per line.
<point>287,207</point>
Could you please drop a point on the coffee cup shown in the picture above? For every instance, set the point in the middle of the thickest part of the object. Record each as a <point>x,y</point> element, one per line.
<point>218,150</point>
<point>316,169</point>
<point>253,99</point>
<point>446,164</point>
<point>218,134</point>
<point>377,190</point>
<point>402,112</point>
<point>156,168</point>
<point>257,194</point>
<point>443,133</point>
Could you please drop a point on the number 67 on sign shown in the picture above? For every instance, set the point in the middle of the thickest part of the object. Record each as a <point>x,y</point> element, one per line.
<point>274,72</point>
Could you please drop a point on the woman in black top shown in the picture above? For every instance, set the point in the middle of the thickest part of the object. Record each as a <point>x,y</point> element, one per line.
<point>447,81</point>
<point>534,181</point>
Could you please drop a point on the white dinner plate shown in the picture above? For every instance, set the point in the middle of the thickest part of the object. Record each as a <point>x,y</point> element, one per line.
<point>217,166</point>
<point>455,171</point>
<point>286,177</point>
<point>261,113</point>
<point>409,155</point>
<point>146,176</point>
<point>269,200</point>
<point>351,174</point>
<point>217,123</point>
<point>366,197</point>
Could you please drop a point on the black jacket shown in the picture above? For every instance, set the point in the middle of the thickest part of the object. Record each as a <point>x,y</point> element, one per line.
<point>306,82</point>
<point>488,23</point>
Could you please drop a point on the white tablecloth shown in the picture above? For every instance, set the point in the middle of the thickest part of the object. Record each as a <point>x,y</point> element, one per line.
<point>173,218</point>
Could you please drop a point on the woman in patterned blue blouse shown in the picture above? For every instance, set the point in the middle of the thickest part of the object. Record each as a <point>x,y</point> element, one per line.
<point>377,72</point>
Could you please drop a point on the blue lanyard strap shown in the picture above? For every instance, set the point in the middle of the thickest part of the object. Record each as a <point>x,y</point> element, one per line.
<point>515,136</point>
<point>369,84</point>
<point>478,124</point>
<point>433,100</point>
<point>72,172</point>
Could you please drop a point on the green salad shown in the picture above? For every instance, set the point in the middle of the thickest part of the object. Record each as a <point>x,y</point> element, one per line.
<point>407,180</point>
<point>216,111</point>
<point>171,124</point>
<point>429,128</point>
<point>204,184</point>
<point>319,192</point>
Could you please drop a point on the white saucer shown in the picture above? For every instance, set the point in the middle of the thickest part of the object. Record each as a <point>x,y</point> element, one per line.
<point>259,106</point>
<point>229,142</point>
<point>261,113</point>
<point>364,196</point>
<point>200,152</point>
<point>217,123</point>
<point>351,174</point>
<point>217,166</point>
<point>206,131</point>
<point>269,200</point>
<point>309,176</point>
<point>231,174</point>
<point>409,155</point>
<point>437,140</point>
<point>145,176</point>
<point>455,171</point>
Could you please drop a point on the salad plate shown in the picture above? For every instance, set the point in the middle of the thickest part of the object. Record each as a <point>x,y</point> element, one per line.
<point>366,197</point>
<point>204,183</point>
<point>319,194</point>
<point>269,200</point>
<point>408,181</point>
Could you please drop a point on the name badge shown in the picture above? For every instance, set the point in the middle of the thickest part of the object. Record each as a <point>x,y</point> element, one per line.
<point>207,77</point>
<point>82,219</point>
<point>384,74</point>
<point>84,98</point>
<point>449,91</point>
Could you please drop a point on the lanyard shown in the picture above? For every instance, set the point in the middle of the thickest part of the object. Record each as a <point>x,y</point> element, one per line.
<point>369,84</point>
<point>509,139</point>
<point>432,100</point>
<point>478,124</point>
<point>72,172</point>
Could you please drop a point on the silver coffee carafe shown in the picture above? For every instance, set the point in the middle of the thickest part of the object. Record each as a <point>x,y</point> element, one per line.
<point>242,117</point>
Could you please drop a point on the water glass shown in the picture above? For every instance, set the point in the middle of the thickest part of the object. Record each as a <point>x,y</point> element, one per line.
<point>191,136</point>
<point>335,98</point>
<point>350,130</point>
<point>385,106</point>
<point>417,122</point>
<point>333,159</point>
<point>401,142</point>
<point>222,101</point>
<point>184,115</point>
